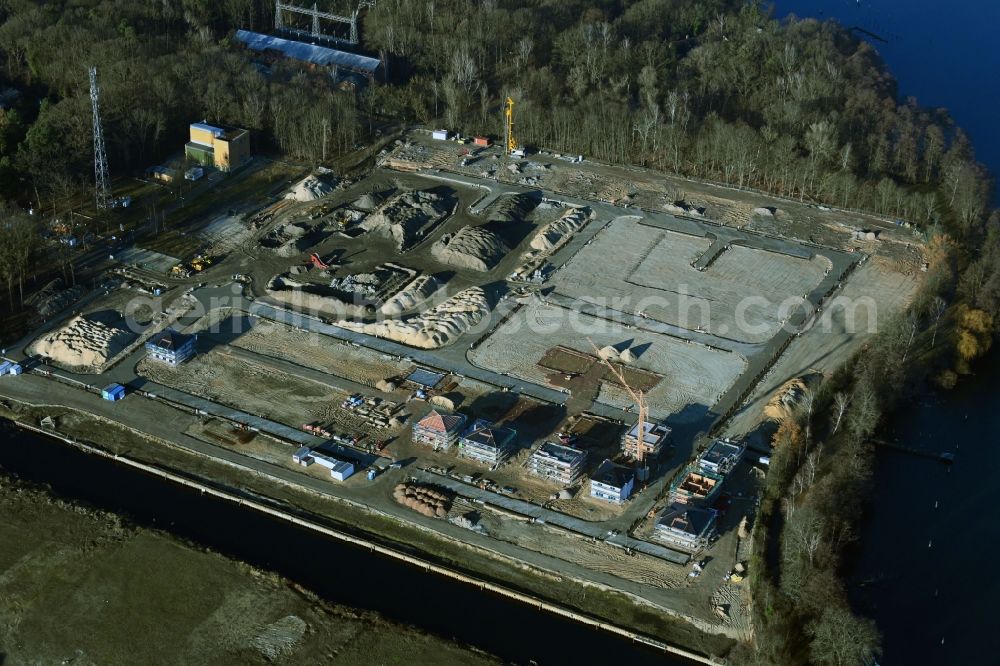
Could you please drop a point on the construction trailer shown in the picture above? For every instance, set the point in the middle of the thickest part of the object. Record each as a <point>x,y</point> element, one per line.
<point>486,444</point>
<point>612,483</point>
<point>340,470</point>
<point>562,464</point>
<point>113,392</point>
<point>439,429</point>
<point>223,148</point>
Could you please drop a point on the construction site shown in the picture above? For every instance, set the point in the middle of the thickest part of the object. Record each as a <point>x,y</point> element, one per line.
<point>529,353</point>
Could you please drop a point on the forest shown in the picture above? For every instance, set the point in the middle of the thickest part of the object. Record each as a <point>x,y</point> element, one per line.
<point>710,89</point>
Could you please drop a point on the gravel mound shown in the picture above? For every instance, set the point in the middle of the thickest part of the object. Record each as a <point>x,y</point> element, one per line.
<point>407,217</point>
<point>309,188</point>
<point>511,208</point>
<point>474,248</point>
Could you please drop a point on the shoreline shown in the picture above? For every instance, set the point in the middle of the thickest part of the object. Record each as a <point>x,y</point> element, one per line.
<point>426,565</point>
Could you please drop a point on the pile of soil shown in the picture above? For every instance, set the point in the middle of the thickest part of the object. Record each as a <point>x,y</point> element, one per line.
<point>553,235</point>
<point>410,296</point>
<point>430,501</point>
<point>511,208</point>
<point>84,343</point>
<point>53,298</point>
<point>474,248</point>
<point>785,400</point>
<point>438,327</point>
<point>407,217</point>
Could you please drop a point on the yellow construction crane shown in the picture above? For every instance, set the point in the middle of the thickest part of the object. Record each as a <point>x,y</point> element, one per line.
<point>639,397</point>
<point>508,118</point>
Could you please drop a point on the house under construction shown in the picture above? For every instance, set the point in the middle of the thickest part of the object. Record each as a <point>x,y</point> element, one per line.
<point>438,429</point>
<point>562,464</point>
<point>487,444</point>
<point>655,437</point>
<point>695,486</point>
<point>686,527</point>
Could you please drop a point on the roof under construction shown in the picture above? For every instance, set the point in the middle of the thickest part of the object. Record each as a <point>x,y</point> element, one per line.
<point>317,55</point>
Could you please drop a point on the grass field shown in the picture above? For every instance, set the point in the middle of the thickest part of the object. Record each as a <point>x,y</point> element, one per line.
<point>82,586</point>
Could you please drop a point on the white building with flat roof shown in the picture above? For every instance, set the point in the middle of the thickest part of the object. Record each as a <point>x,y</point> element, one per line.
<point>562,464</point>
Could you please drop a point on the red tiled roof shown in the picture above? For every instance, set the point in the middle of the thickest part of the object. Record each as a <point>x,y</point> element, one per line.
<point>439,422</point>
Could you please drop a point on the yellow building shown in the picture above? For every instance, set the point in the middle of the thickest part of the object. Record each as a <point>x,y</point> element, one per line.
<point>225,149</point>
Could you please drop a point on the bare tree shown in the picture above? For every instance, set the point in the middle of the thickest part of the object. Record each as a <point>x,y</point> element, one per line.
<point>841,639</point>
<point>840,402</point>
<point>937,308</point>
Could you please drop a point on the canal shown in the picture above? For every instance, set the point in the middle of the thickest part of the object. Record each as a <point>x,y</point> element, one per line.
<point>339,572</point>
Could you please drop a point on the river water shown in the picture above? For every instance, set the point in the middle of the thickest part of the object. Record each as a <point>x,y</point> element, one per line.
<point>924,567</point>
<point>941,51</point>
<point>338,572</point>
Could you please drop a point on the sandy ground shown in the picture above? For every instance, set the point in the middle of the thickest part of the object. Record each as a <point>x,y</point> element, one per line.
<point>871,295</point>
<point>321,352</point>
<point>631,267</point>
<point>237,383</point>
<point>68,583</point>
<point>693,374</point>
<point>586,552</point>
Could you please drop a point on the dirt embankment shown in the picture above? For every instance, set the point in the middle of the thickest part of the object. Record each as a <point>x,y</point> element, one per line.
<point>435,328</point>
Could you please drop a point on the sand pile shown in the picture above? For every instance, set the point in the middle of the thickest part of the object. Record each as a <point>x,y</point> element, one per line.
<point>431,501</point>
<point>407,217</point>
<point>411,296</point>
<point>309,188</point>
<point>474,248</point>
<point>785,400</point>
<point>511,207</point>
<point>84,343</point>
<point>438,327</point>
<point>609,353</point>
<point>555,234</point>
